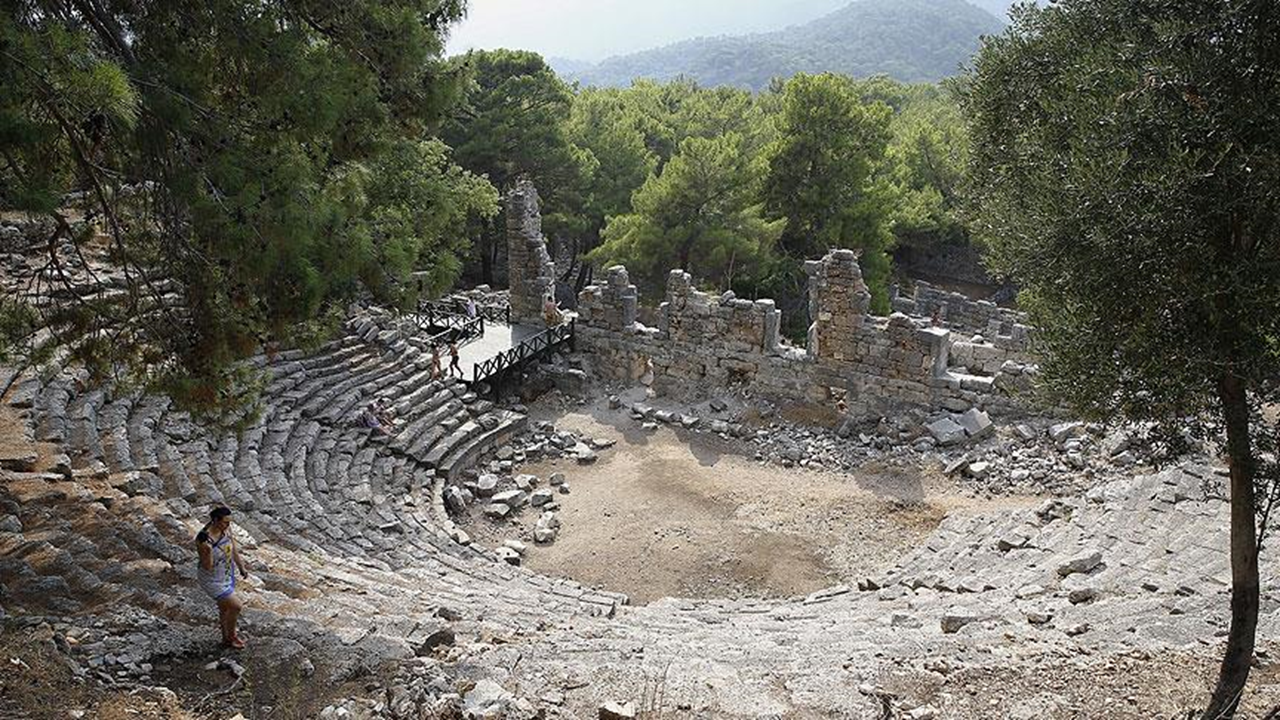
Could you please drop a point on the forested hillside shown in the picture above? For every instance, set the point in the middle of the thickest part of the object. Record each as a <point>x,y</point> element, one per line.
<point>738,188</point>
<point>909,40</point>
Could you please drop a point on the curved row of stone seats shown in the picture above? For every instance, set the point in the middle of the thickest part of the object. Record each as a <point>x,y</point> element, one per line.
<point>358,461</point>
<point>361,521</point>
<point>86,443</point>
<point>271,501</point>
<point>1137,527</point>
<point>306,480</point>
<point>464,596</point>
<point>192,468</point>
<point>89,547</point>
<point>820,646</point>
<point>757,646</point>
<point>54,401</point>
<point>1152,546</point>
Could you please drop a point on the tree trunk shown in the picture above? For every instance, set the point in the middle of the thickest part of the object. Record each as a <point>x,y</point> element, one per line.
<point>566,276</point>
<point>487,255</point>
<point>585,274</point>
<point>1244,553</point>
<point>585,271</point>
<point>685,252</point>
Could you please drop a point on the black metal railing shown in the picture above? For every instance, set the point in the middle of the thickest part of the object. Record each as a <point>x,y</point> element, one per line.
<point>428,318</point>
<point>467,329</point>
<point>492,313</point>
<point>527,348</point>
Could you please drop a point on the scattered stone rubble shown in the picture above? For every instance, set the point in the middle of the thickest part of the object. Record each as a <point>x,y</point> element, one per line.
<point>1031,456</point>
<point>119,648</point>
<point>427,688</point>
<point>500,493</point>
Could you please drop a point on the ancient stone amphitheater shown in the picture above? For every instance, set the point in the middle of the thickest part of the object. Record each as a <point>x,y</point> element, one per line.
<point>1045,612</point>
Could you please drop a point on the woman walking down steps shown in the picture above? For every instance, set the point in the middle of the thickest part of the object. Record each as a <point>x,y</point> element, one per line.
<point>216,575</point>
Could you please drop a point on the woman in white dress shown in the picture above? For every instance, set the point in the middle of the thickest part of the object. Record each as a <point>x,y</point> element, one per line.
<point>219,559</point>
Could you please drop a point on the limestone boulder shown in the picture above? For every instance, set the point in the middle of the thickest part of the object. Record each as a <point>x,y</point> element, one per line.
<point>947,431</point>
<point>454,500</point>
<point>1063,432</point>
<point>617,711</point>
<point>957,618</point>
<point>10,524</point>
<point>487,485</point>
<point>487,699</point>
<point>1082,563</point>
<point>977,424</point>
<point>511,498</point>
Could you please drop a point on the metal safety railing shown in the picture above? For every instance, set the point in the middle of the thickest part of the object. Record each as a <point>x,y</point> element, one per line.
<point>444,328</point>
<point>492,313</point>
<point>529,347</point>
<point>469,329</point>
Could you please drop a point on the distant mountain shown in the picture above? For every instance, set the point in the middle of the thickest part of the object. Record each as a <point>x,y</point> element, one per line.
<point>569,66</point>
<point>910,40</point>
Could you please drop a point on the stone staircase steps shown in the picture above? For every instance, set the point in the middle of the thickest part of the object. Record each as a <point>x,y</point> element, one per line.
<point>501,426</point>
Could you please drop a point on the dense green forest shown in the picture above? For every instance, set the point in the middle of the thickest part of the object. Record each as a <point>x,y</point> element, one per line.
<point>737,188</point>
<point>251,166</point>
<point>269,166</point>
<point>909,40</point>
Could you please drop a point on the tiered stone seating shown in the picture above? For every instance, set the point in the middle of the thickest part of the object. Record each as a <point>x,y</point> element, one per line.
<point>360,553</point>
<point>303,476</point>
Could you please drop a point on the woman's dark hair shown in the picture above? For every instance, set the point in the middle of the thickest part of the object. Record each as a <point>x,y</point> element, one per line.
<point>215,515</point>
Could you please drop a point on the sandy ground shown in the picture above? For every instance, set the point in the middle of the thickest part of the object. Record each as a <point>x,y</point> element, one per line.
<point>671,513</point>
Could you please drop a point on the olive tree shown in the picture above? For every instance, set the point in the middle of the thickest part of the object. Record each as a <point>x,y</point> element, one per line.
<point>1126,171</point>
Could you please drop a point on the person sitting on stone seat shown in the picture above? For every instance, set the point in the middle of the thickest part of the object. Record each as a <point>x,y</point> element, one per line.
<point>219,558</point>
<point>384,414</point>
<point>369,419</point>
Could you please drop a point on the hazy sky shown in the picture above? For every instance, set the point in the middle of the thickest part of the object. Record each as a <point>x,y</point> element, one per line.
<point>595,29</point>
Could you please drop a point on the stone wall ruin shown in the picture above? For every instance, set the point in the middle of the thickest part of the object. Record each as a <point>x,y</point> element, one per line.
<point>1002,326</point>
<point>992,338</point>
<point>531,273</point>
<point>705,341</point>
<point>838,304</point>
